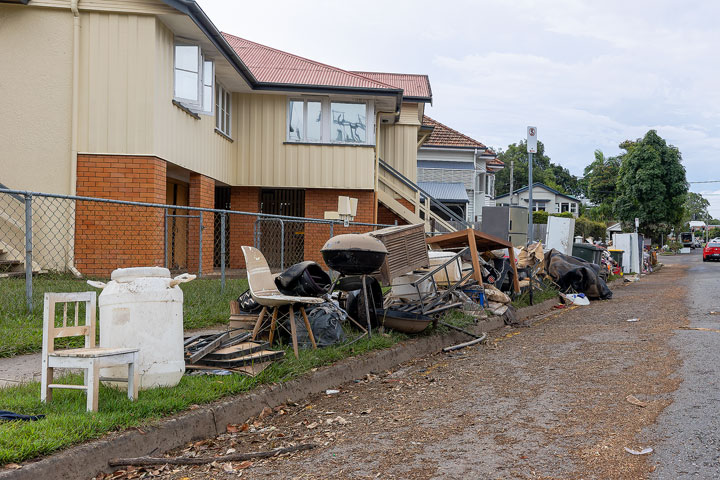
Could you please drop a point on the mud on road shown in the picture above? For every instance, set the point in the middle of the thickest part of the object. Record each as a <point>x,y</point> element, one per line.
<point>548,401</point>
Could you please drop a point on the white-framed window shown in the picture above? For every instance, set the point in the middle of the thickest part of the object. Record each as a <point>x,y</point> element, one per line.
<point>326,120</point>
<point>223,110</point>
<point>564,207</point>
<point>194,77</point>
<point>573,207</point>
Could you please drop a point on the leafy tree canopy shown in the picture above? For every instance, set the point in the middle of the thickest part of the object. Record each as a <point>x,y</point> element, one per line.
<point>651,185</point>
<point>600,180</point>
<point>696,207</point>
<point>544,171</point>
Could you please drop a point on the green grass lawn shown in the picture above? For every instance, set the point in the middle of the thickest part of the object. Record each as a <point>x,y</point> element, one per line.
<point>539,296</point>
<point>21,332</point>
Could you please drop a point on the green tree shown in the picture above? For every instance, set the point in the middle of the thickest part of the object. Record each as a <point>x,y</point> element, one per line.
<point>600,180</point>
<point>651,185</point>
<point>696,207</point>
<point>544,171</point>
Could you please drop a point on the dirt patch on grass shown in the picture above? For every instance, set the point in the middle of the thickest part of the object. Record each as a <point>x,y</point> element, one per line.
<point>542,402</point>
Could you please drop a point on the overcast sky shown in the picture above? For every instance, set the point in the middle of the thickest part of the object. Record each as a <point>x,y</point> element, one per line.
<point>588,74</point>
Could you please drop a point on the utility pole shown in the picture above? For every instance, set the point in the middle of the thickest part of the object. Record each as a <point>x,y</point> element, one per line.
<point>531,148</point>
<point>512,165</point>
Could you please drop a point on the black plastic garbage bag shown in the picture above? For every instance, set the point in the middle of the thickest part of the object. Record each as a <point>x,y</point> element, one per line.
<point>576,274</point>
<point>304,279</point>
<point>326,323</point>
<point>247,304</point>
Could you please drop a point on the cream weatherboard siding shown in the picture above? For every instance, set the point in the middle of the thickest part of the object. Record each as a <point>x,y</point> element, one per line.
<point>117,68</point>
<point>36,82</point>
<point>265,159</point>
<point>178,137</point>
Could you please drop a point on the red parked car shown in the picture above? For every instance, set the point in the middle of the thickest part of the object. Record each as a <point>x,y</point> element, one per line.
<point>711,251</point>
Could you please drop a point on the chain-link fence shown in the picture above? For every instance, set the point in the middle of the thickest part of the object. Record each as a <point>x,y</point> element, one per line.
<point>42,232</point>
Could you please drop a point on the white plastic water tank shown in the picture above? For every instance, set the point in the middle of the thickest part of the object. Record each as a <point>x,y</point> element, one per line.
<point>143,308</point>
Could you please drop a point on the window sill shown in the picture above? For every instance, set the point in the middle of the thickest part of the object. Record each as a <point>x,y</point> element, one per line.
<point>224,135</point>
<point>186,109</point>
<point>331,144</point>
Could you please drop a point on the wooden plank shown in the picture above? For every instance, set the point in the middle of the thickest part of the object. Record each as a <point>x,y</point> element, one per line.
<point>261,356</point>
<point>236,351</point>
<point>208,348</point>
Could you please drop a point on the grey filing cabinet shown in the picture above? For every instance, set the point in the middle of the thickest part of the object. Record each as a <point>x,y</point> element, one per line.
<point>506,222</point>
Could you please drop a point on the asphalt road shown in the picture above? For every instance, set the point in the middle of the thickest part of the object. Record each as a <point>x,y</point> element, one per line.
<point>690,425</point>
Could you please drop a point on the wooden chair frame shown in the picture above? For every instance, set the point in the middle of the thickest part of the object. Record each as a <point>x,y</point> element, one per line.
<point>90,358</point>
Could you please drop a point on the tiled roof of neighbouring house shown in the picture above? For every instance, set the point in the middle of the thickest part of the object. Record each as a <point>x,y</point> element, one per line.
<point>413,85</point>
<point>269,65</point>
<point>444,136</point>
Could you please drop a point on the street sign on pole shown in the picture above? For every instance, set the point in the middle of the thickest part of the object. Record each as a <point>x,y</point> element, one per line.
<point>531,148</point>
<point>531,139</point>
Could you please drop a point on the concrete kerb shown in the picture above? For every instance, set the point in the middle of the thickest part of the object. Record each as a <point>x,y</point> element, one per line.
<point>89,459</point>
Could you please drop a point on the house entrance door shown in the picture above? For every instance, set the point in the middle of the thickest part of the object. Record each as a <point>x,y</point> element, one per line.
<point>282,241</point>
<point>177,228</point>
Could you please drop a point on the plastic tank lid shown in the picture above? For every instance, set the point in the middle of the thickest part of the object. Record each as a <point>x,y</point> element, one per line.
<point>130,274</point>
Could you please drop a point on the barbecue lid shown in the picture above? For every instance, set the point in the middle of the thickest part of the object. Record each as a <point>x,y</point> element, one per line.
<point>354,241</point>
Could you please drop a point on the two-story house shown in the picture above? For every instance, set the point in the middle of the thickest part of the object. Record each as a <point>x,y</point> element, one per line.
<point>457,170</point>
<point>146,100</point>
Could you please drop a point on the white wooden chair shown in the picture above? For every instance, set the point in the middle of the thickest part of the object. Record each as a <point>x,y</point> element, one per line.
<point>90,358</point>
<point>263,291</point>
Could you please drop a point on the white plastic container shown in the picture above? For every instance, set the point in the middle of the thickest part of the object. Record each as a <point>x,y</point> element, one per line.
<point>402,287</point>
<point>454,269</point>
<point>143,308</point>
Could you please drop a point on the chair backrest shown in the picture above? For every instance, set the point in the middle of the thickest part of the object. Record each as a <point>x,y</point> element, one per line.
<point>260,279</point>
<point>74,329</point>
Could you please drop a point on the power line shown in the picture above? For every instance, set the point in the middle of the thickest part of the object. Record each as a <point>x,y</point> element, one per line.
<point>707,181</point>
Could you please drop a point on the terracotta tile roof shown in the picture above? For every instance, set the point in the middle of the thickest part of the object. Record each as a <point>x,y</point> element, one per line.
<point>413,85</point>
<point>269,65</point>
<point>444,136</point>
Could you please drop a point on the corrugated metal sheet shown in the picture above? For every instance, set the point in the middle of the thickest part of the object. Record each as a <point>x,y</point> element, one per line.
<point>446,192</point>
<point>413,85</point>
<point>275,66</point>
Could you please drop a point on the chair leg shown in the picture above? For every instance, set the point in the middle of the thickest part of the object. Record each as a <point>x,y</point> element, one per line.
<point>93,387</point>
<point>273,324</point>
<point>133,379</point>
<point>293,332</point>
<point>258,324</point>
<point>307,326</point>
<point>46,378</point>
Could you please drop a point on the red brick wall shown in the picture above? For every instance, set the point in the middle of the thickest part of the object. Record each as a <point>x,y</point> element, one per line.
<point>317,202</point>
<point>388,217</point>
<point>111,236</point>
<point>202,195</point>
<point>244,199</point>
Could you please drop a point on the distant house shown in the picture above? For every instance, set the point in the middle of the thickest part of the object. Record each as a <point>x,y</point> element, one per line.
<point>545,199</point>
<point>457,170</point>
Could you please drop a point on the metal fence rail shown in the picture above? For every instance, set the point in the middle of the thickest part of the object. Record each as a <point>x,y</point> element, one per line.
<point>93,236</point>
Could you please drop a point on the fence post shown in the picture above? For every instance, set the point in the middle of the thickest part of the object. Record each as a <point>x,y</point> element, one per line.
<point>165,239</point>
<point>28,251</point>
<point>200,258</point>
<point>222,252</point>
<point>282,245</point>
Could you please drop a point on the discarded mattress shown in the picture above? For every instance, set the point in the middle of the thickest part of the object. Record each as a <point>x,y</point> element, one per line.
<point>572,273</point>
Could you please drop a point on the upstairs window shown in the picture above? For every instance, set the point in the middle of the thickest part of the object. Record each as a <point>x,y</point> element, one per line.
<point>223,110</point>
<point>194,78</point>
<point>319,120</point>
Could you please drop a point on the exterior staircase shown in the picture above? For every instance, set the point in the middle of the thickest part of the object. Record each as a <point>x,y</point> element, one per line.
<point>12,237</point>
<point>408,201</point>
